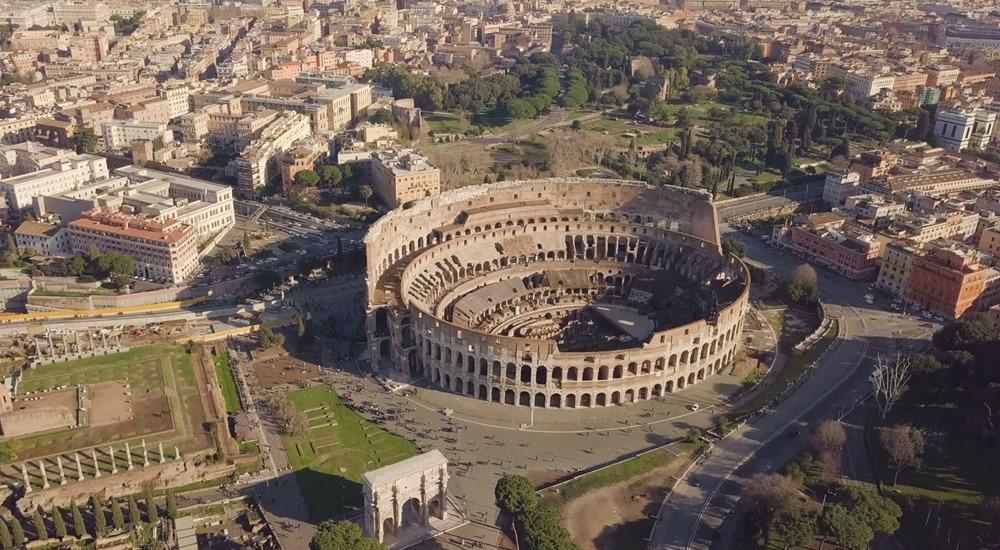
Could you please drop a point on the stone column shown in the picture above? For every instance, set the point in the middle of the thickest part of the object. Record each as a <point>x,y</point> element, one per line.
<point>79,469</point>
<point>27,480</point>
<point>396,511</point>
<point>104,341</point>
<point>424,508</point>
<point>62,473</point>
<point>162,457</point>
<point>114,465</point>
<point>38,349</point>
<point>97,465</point>
<point>177,453</point>
<point>45,475</point>
<point>128,455</point>
<point>145,454</point>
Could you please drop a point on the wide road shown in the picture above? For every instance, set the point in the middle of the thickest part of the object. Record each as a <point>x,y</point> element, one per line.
<point>693,516</point>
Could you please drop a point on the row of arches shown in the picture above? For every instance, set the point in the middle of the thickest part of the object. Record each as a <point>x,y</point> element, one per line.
<point>541,375</point>
<point>571,400</point>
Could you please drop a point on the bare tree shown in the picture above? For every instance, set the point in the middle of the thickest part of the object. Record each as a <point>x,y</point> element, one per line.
<point>770,497</point>
<point>904,444</point>
<point>890,381</point>
<point>829,435</point>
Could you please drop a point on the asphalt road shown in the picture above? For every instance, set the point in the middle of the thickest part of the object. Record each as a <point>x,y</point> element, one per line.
<point>735,208</point>
<point>695,516</point>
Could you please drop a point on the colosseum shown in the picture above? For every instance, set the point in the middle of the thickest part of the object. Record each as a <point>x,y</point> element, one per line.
<point>557,293</point>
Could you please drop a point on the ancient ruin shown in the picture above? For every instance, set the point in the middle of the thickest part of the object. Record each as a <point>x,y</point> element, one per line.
<point>409,493</point>
<point>558,293</point>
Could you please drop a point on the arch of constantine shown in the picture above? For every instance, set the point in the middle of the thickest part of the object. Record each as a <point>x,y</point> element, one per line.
<point>556,293</point>
<point>407,493</point>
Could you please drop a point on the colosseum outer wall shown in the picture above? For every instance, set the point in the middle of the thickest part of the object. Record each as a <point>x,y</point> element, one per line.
<point>528,371</point>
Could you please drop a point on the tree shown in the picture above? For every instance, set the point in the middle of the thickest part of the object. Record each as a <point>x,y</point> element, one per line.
<point>6,542</point>
<point>542,528</point>
<point>342,535</point>
<point>843,149</point>
<point>576,125</point>
<point>769,497</point>
<point>515,494</point>
<point>382,116</point>
<point>880,513</point>
<point>100,520</point>
<point>734,247</point>
<point>366,193</point>
<point>75,266</point>
<point>851,533</point>
<point>84,139</point>
<point>224,255</point>
<point>965,333</point>
<point>890,380</point>
<point>151,511</point>
<point>41,532</point>
<point>134,518</point>
<point>115,263</point>
<point>79,527</point>
<point>171,505</point>
<point>796,528</point>
<point>331,175</point>
<point>307,178</point>
<point>829,436</point>
<point>59,523</point>
<point>117,518</point>
<point>17,533</point>
<point>903,444</point>
<point>802,285</point>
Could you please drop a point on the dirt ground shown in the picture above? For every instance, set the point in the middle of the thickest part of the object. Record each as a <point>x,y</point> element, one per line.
<point>285,370</point>
<point>617,516</point>
<point>110,403</point>
<point>65,398</point>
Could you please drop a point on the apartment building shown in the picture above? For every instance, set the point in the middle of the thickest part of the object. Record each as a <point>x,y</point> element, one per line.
<point>163,250</point>
<point>948,281</point>
<point>67,173</point>
<point>178,99</point>
<point>121,134</point>
<point>258,165</point>
<point>17,130</point>
<point>43,238</point>
<point>989,241</point>
<point>838,186</point>
<point>402,176</point>
<point>896,266</point>
<point>156,195</point>
<point>825,240</point>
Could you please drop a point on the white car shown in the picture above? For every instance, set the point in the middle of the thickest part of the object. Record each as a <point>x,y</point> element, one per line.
<point>694,407</point>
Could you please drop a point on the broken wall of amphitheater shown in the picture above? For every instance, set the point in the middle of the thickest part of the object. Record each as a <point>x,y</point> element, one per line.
<point>403,231</point>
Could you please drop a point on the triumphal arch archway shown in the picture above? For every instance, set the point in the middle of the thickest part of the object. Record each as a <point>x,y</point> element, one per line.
<point>406,494</point>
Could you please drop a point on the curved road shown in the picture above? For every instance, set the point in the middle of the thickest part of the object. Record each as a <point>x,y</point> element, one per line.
<point>694,516</point>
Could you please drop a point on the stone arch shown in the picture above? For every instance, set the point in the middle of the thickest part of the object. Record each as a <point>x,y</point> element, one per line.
<point>571,373</point>
<point>630,395</point>
<point>557,374</point>
<point>643,393</point>
<point>617,372</point>
<point>540,400</point>
<point>633,369</point>
<point>525,374</point>
<point>511,373</point>
<point>570,401</point>
<point>524,399</point>
<point>602,372</point>
<point>495,395</point>
<point>509,397</point>
<point>585,400</point>
<point>681,382</point>
<point>669,386</point>
<point>411,512</point>
<point>701,373</point>
<point>459,385</point>
<point>690,379</point>
<point>447,381</point>
<point>541,376</point>
<point>657,390</point>
<point>555,401</point>
<point>601,400</point>
<point>588,373</point>
<point>616,398</point>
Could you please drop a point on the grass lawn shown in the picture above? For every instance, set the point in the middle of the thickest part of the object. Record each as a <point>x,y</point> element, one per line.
<point>794,366</point>
<point>226,383</point>
<point>339,447</point>
<point>955,477</point>
<point>441,123</point>
<point>133,365</point>
<point>623,471</point>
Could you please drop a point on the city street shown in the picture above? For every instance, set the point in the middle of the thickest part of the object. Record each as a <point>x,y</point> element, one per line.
<point>693,516</point>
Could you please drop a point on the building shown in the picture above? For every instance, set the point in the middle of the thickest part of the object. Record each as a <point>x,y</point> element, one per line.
<point>897,264</point>
<point>948,281</point>
<point>825,239</point>
<point>158,196</point>
<point>43,238</point>
<point>989,241</point>
<point>121,134</point>
<point>402,176</point>
<point>163,251</point>
<point>65,174</point>
<point>960,129</point>
<point>258,164</point>
<point>839,186</point>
